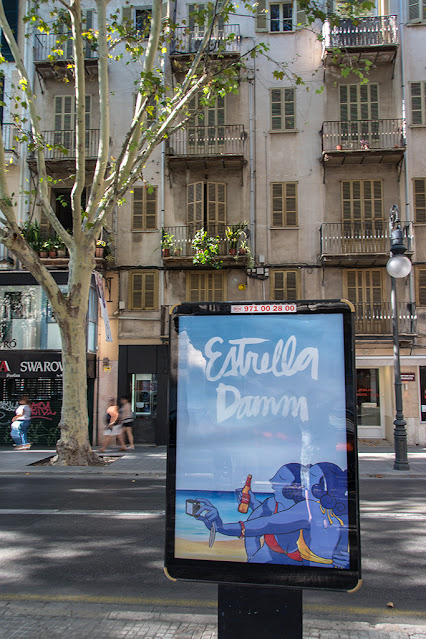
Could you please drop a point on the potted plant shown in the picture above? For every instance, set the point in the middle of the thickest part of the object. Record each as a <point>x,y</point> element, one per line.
<point>167,241</point>
<point>32,233</point>
<point>49,247</point>
<point>100,248</point>
<point>206,249</point>
<point>243,249</point>
<point>233,234</point>
<point>60,247</point>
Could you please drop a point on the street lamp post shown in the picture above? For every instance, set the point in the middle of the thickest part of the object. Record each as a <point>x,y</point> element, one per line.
<point>397,266</point>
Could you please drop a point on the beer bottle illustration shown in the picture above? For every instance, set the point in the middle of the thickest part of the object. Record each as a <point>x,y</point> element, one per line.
<point>245,496</point>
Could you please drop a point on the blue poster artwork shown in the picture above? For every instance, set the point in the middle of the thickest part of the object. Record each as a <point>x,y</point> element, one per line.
<point>261,462</point>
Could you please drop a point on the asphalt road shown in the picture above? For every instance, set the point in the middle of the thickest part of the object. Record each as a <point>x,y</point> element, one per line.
<point>101,539</point>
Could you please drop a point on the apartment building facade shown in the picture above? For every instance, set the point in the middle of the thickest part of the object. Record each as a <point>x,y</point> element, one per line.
<point>305,174</point>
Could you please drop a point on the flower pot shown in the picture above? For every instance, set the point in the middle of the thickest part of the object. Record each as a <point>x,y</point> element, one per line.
<point>338,147</point>
<point>232,251</point>
<point>177,252</point>
<point>242,251</point>
<point>52,253</point>
<point>42,253</point>
<point>165,252</point>
<point>99,251</point>
<point>62,253</point>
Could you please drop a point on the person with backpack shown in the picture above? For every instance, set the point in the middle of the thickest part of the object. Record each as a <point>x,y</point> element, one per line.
<point>113,427</point>
<point>126,419</point>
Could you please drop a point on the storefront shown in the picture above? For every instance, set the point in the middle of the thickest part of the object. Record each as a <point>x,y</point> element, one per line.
<point>143,376</point>
<point>38,375</point>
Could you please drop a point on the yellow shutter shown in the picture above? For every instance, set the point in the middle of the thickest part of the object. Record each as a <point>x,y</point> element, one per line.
<point>420,199</point>
<point>285,285</point>
<point>277,204</point>
<point>205,287</point>
<point>216,207</point>
<point>137,213</point>
<point>421,287</point>
<point>144,208</point>
<point>144,291</point>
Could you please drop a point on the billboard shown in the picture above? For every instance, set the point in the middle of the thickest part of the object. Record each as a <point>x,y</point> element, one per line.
<point>262,476</point>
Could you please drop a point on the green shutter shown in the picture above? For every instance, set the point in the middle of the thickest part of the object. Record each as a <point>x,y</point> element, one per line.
<point>261,16</point>
<point>414,10</point>
<point>420,200</point>
<point>416,103</point>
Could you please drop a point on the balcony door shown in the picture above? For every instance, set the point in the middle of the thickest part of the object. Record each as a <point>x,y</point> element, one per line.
<point>359,116</point>
<point>65,120</point>
<point>206,208</point>
<point>364,288</point>
<point>365,232</point>
<point>206,130</point>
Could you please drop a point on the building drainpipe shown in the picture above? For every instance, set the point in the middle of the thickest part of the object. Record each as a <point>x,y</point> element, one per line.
<point>251,160</point>
<point>404,115</point>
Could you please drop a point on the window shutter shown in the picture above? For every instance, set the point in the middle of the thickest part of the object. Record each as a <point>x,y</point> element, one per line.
<point>205,287</point>
<point>164,9</point>
<point>127,14</point>
<point>143,291</point>
<point>301,17</point>
<point>276,110</point>
<point>421,287</point>
<point>284,203</point>
<point>216,207</point>
<point>420,200</point>
<point>290,109</point>
<point>414,10</point>
<point>149,291</point>
<point>136,291</point>
<point>285,285</point>
<point>277,204</point>
<point>416,103</point>
<point>262,16</point>
<point>137,213</point>
<point>195,206</point>
<point>150,208</point>
<point>291,204</point>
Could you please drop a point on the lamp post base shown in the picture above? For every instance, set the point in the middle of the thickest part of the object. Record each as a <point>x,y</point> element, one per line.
<point>400,439</point>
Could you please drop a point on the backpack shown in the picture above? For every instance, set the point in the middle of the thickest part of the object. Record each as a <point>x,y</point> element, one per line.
<point>107,418</point>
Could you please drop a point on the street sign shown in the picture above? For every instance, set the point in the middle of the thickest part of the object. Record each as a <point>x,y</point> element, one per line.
<point>262,483</point>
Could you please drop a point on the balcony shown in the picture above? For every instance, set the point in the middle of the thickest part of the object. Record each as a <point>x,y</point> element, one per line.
<point>10,144</point>
<point>56,66</point>
<point>220,146</point>
<point>363,142</point>
<point>181,252</point>
<point>60,151</point>
<point>360,243</point>
<point>373,38</point>
<point>375,319</point>
<point>225,40</point>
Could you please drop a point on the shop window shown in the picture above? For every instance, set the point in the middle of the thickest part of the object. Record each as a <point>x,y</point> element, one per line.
<point>368,397</point>
<point>144,394</point>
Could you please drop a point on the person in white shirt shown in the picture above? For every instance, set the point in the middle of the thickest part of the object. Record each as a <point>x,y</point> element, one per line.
<point>21,423</point>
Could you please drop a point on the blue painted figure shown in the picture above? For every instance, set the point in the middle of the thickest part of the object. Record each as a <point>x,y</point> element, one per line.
<point>309,530</point>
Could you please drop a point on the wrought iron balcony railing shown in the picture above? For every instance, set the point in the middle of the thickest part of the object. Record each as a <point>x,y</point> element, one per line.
<point>225,39</point>
<point>9,132</point>
<point>224,139</point>
<point>375,318</point>
<point>363,135</point>
<point>182,236</point>
<point>367,238</point>
<point>367,31</point>
<point>45,44</point>
<point>60,145</point>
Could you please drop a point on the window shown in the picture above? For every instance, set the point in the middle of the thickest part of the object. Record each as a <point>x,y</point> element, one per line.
<point>11,12</point>
<point>284,203</point>
<point>144,394</point>
<point>281,16</point>
<point>140,17</point>
<point>144,206</point>
<point>418,103</point>
<point>362,201</point>
<point>143,291</point>
<point>359,107</point>
<point>206,131</point>
<point>416,11</point>
<point>285,285</point>
<point>206,207</point>
<point>421,286</point>
<point>205,287</point>
<point>64,125</point>
<point>364,288</point>
<point>419,199</point>
<point>283,109</point>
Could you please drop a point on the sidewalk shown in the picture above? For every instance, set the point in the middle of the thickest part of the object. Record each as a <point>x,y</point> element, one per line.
<point>375,460</point>
<point>22,620</point>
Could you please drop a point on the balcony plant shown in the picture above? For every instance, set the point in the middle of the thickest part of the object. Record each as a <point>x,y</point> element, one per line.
<point>233,234</point>
<point>60,247</point>
<point>100,248</point>
<point>167,242</point>
<point>49,247</point>
<point>32,233</point>
<point>206,249</point>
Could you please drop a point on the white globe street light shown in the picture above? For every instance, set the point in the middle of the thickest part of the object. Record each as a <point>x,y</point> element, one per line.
<point>398,266</point>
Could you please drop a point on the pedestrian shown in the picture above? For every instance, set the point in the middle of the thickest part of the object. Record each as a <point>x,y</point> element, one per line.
<point>113,427</point>
<point>126,419</point>
<point>21,423</point>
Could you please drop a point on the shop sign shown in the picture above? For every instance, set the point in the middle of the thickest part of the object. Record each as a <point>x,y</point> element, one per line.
<point>408,377</point>
<point>262,473</point>
<point>26,364</point>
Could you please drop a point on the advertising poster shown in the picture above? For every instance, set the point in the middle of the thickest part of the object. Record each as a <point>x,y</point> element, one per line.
<point>263,445</point>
